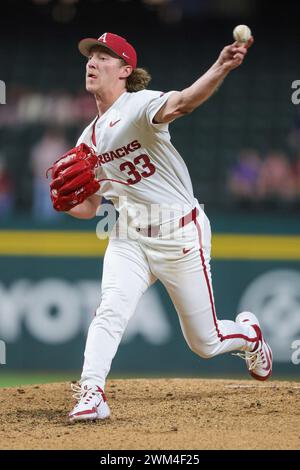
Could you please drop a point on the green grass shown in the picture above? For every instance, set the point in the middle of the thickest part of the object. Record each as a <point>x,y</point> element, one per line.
<point>15,379</point>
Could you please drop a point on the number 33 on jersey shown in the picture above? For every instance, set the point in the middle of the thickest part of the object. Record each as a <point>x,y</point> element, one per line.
<point>137,152</point>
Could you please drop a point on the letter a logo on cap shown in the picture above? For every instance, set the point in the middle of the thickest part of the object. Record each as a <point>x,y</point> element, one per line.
<point>103,37</point>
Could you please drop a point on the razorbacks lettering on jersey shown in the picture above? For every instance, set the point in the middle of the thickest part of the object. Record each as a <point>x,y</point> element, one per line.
<point>138,160</point>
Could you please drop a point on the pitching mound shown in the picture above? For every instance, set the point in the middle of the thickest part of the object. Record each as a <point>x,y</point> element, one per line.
<point>157,414</point>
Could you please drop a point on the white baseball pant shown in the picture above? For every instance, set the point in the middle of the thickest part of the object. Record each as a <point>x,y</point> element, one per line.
<point>182,264</point>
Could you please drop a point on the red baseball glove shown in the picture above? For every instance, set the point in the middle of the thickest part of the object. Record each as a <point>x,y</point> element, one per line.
<point>73,178</point>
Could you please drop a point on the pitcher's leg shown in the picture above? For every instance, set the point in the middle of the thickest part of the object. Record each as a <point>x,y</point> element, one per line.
<point>190,288</point>
<point>205,334</point>
<point>126,276</point>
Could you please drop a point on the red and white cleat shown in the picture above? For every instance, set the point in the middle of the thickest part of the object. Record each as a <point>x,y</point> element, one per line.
<point>92,403</point>
<point>259,362</point>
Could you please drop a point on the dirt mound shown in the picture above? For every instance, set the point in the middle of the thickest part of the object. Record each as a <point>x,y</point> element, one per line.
<point>157,414</point>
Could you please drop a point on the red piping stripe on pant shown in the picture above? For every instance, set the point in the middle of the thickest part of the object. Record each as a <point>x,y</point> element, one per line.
<point>220,336</point>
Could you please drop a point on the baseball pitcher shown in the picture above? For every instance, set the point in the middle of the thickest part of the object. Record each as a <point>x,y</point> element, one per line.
<point>125,155</point>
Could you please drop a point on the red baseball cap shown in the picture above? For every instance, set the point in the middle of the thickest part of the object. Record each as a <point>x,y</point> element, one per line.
<point>113,42</point>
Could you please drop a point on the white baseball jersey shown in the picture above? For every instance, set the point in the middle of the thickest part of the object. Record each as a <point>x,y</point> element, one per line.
<point>135,151</point>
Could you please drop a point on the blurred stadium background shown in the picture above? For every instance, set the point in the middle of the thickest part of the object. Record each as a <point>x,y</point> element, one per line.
<point>242,149</point>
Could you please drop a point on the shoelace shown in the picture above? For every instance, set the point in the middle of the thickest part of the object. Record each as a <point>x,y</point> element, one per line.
<point>254,358</point>
<point>81,394</point>
<point>78,391</point>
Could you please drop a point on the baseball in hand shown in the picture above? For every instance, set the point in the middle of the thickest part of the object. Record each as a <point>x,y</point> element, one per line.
<point>242,33</point>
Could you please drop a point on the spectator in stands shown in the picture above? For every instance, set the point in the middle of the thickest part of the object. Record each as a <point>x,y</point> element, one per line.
<point>296,174</point>
<point>6,190</point>
<point>276,180</point>
<point>243,176</point>
<point>52,145</point>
